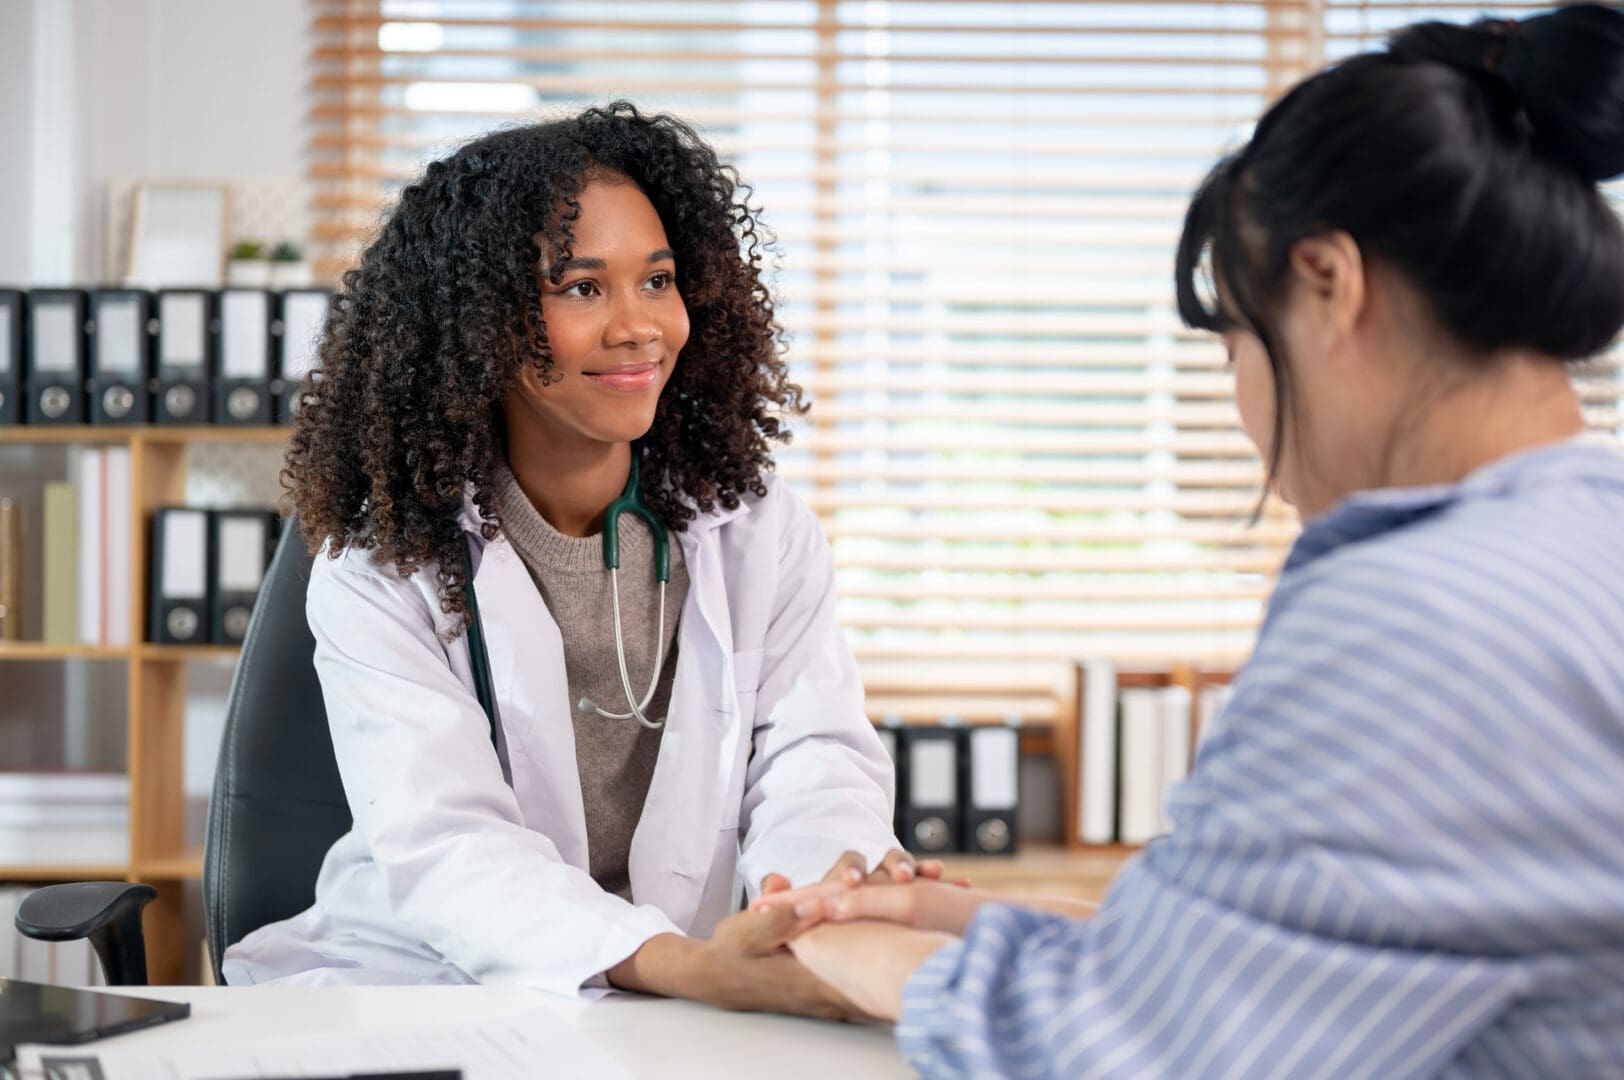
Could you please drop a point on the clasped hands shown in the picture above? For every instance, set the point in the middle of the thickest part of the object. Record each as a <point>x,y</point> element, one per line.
<point>863,934</point>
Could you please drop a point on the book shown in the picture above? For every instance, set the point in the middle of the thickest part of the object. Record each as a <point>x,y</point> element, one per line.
<point>1097,742</point>
<point>92,545</point>
<point>1176,709</point>
<point>61,559</point>
<point>72,846</point>
<point>117,524</point>
<point>11,570</point>
<point>1141,744</point>
<point>63,815</point>
<point>32,788</point>
<point>10,939</point>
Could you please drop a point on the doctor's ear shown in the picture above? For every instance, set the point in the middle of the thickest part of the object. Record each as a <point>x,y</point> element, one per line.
<point>1328,272</point>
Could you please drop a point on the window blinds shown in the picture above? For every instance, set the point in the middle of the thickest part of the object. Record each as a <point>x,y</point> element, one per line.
<point>1018,453</point>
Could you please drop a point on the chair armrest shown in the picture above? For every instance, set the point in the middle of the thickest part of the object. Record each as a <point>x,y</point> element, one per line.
<point>106,912</point>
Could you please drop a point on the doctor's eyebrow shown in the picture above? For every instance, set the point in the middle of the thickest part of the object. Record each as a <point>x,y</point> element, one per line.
<point>590,262</point>
<point>579,262</point>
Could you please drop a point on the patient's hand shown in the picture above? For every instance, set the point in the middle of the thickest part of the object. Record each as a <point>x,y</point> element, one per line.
<point>868,963</point>
<point>923,905</point>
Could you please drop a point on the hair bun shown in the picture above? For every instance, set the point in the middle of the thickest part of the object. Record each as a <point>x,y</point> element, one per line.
<point>1564,70</point>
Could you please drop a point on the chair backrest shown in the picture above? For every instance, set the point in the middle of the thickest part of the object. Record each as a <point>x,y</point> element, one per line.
<point>278,804</point>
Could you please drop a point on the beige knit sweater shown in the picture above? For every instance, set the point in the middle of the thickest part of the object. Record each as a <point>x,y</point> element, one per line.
<point>614,757</point>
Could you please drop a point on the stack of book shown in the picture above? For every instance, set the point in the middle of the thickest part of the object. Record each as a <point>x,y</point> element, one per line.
<point>1136,741</point>
<point>64,819</point>
<point>84,554</point>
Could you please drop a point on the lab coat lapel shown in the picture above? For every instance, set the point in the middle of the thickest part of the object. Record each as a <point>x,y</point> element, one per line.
<point>527,672</point>
<point>683,816</point>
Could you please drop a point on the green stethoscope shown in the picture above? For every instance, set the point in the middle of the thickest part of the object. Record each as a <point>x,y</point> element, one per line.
<point>630,502</point>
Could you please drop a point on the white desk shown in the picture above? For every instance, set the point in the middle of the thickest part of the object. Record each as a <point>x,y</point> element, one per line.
<point>649,1036</point>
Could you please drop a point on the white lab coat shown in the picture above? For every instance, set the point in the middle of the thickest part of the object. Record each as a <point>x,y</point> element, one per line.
<point>449,875</point>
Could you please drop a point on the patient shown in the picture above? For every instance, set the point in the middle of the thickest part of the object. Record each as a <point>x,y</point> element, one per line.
<point>1399,852</point>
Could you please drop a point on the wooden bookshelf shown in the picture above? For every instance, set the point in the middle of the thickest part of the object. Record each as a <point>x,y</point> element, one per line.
<point>44,873</point>
<point>155,685</point>
<point>115,435</point>
<point>42,650</point>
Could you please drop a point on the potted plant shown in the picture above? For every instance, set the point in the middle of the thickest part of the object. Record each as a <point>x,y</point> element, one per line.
<point>289,270</point>
<point>247,267</point>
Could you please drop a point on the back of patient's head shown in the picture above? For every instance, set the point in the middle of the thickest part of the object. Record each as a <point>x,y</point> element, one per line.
<point>1466,158</point>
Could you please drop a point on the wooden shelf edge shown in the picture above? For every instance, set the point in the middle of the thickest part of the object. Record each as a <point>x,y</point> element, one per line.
<point>45,873</point>
<point>42,650</point>
<point>213,433</point>
<point>48,435</point>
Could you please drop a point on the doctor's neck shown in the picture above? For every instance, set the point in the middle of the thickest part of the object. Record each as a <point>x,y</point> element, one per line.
<point>570,483</point>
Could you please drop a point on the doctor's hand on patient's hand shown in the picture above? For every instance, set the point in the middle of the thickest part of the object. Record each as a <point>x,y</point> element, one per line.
<point>744,966</point>
<point>754,971</point>
<point>898,867</point>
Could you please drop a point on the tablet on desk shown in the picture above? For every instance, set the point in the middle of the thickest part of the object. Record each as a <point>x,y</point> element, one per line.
<point>32,1013</point>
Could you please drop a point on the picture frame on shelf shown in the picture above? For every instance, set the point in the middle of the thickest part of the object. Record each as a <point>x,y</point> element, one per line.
<point>178,231</point>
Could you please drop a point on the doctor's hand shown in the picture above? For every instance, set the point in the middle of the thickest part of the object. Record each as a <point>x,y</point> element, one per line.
<point>751,969</point>
<point>851,869</point>
<point>744,966</point>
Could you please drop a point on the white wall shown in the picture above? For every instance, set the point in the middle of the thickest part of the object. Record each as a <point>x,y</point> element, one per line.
<point>16,137</point>
<point>99,89</point>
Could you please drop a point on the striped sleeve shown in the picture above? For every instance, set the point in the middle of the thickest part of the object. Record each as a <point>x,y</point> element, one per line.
<point>1168,982</point>
<point>1355,878</point>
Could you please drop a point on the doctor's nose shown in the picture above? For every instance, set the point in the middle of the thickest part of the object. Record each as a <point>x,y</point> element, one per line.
<point>631,322</point>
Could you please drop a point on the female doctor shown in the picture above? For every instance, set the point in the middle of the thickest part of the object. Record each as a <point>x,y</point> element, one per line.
<point>556,318</point>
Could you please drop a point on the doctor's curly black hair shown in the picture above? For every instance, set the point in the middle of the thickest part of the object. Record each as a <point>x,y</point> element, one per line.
<point>443,313</point>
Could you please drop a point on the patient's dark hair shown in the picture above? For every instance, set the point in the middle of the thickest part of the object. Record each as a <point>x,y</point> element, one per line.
<point>1465,157</point>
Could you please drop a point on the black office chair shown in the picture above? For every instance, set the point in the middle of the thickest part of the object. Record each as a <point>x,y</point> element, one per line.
<point>277,804</point>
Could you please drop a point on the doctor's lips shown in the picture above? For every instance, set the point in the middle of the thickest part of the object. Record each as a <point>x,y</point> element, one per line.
<point>627,377</point>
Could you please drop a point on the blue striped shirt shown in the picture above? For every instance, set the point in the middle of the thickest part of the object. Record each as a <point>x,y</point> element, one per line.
<point>1401,850</point>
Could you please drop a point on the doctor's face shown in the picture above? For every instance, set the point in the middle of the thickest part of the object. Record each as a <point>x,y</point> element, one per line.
<point>614,319</point>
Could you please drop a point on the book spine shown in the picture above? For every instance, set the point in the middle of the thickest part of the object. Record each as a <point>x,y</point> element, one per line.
<point>91,534</point>
<point>1097,807</point>
<point>11,570</point>
<point>61,556</point>
<point>117,575</point>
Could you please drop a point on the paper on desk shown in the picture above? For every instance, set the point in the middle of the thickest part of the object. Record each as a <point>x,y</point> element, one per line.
<point>515,1048</point>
